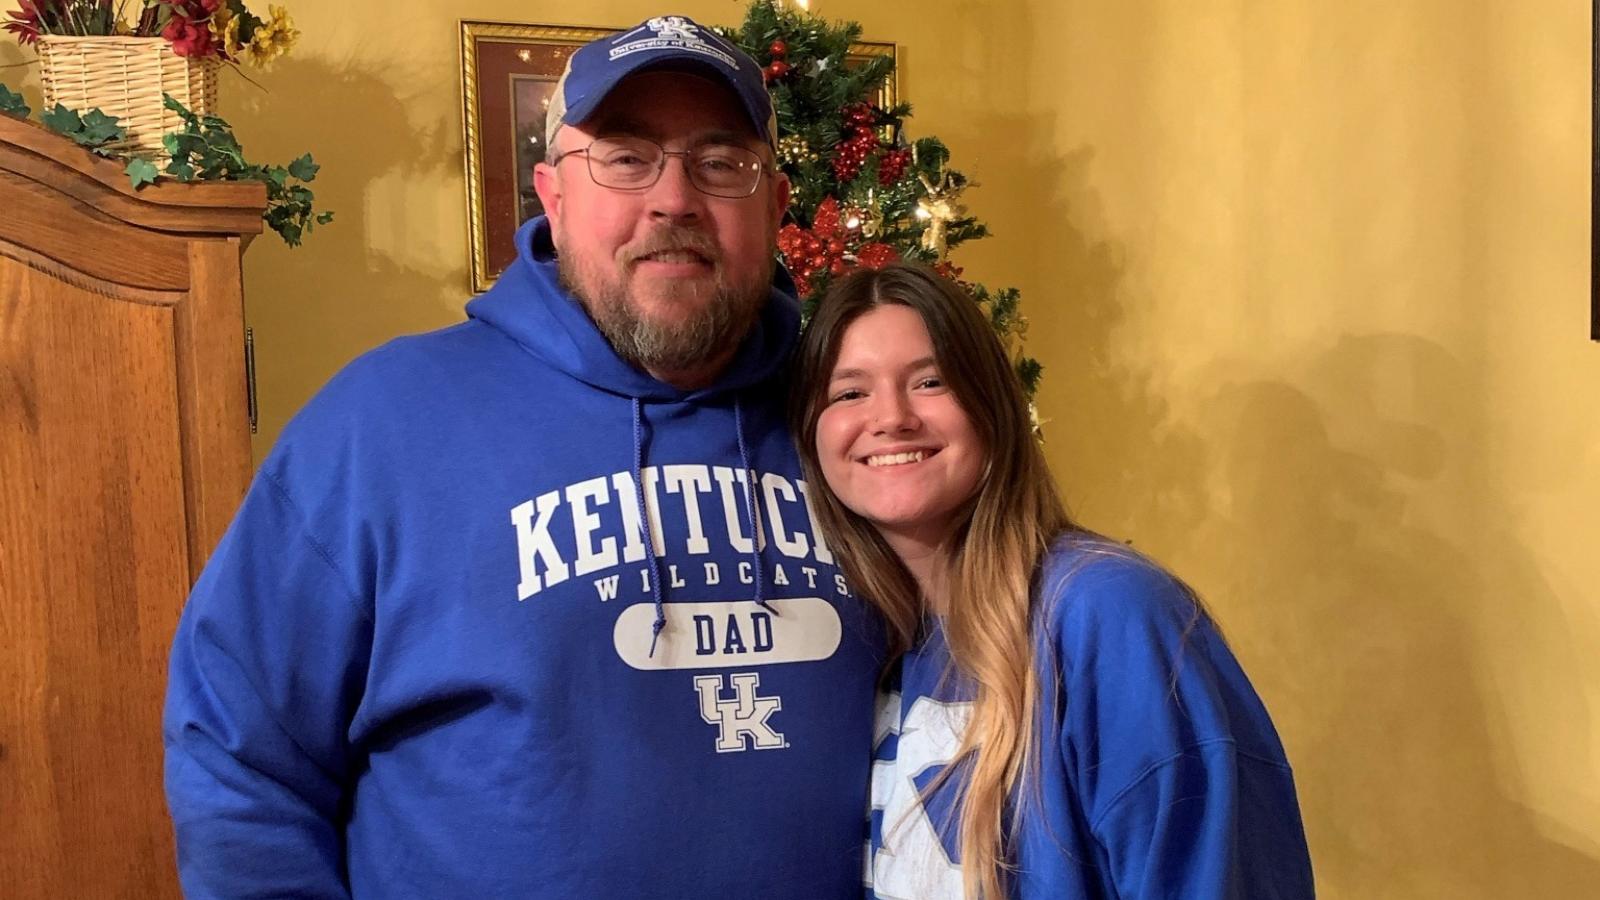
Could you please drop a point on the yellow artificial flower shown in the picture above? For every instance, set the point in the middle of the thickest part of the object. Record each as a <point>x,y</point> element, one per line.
<point>273,37</point>
<point>225,25</point>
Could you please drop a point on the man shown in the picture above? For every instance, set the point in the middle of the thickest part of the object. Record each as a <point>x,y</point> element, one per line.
<point>534,606</point>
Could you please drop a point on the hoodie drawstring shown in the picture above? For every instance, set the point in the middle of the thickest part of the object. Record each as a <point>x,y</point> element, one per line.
<point>751,507</point>
<point>644,525</point>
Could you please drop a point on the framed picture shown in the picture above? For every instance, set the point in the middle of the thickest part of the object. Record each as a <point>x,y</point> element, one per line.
<point>508,73</point>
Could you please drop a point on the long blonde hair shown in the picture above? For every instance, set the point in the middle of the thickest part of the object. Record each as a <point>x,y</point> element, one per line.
<point>994,556</point>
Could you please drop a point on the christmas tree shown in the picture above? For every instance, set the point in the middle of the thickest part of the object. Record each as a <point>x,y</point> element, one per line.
<point>864,194</point>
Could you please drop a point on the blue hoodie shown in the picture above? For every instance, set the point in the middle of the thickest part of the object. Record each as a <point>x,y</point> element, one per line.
<point>1158,774</point>
<point>429,658</point>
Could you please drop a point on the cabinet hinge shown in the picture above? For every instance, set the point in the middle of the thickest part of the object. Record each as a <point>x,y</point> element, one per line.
<point>250,373</point>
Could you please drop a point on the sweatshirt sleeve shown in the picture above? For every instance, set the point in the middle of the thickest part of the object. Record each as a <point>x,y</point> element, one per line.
<point>267,668</point>
<point>1184,781</point>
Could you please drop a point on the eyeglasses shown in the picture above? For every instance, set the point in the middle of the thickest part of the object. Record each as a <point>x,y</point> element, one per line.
<point>635,163</point>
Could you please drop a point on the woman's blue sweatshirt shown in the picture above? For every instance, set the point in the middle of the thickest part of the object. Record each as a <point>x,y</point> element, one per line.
<point>1157,773</point>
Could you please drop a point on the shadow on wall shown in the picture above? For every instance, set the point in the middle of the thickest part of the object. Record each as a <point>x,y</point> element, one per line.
<point>315,307</point>
<point>19,71</point>
<point>1379,624</point>
<point>1297,502</point>
<point>1117,454</point>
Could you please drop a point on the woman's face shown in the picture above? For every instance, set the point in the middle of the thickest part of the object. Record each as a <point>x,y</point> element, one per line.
<point>893,443</point>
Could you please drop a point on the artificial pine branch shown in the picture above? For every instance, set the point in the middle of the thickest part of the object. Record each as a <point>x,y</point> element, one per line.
<point>817,92</point>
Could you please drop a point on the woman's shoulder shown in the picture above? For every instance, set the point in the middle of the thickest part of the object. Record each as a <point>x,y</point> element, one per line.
<point>1139,655</point>
<point>1088,583</point>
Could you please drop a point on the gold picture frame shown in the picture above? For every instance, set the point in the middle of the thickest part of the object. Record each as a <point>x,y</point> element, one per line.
<point>508,72</point>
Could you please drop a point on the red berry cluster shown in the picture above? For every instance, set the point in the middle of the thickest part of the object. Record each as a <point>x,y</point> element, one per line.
<point>863,142</point>
<point>824,249</point>
<point>853,153</point>
<point>778,67</point>
<point>892,167</point>
<point>876,255</point>
<point>817,251</point>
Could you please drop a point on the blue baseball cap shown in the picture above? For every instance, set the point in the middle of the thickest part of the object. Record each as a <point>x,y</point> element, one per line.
<point>670,42</point>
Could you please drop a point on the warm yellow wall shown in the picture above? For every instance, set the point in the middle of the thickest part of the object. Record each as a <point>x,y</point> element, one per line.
<point>1310,280</point>
<point>1313,279</point>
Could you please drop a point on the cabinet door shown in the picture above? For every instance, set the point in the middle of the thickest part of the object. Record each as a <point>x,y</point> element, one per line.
<point>94,566</point>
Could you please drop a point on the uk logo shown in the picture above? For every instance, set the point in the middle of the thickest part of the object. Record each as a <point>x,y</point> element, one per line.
<point>743,715</point>
<point>673,33</point>
<point>673,28</point>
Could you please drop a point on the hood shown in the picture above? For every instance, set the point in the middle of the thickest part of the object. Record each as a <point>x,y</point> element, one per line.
<point>529,305</point>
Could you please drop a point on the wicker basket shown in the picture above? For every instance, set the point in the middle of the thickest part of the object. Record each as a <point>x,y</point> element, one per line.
<point>125,77</point>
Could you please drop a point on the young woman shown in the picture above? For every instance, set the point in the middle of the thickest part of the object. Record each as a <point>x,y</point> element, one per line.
<point>1062,719</point>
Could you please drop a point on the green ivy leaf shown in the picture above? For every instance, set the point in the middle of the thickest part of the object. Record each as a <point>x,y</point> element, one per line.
<point>99,128</point>
<point>206,149</point>
<point>304,169</point>
<point>93,130</point>
<point>142,171</point>
<point>62,121</point>
<point>171,103</point>
<point>12,104</point>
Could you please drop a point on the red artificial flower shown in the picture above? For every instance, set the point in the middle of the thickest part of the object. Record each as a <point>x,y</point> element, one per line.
<point>190,38</point>
<point>27,22</point>
<point>189,29</point>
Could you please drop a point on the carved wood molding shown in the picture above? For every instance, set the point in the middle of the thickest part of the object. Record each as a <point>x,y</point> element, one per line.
<point>41,156</point>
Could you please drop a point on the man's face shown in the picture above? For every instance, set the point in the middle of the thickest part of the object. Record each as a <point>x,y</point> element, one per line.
<point>673,277</point>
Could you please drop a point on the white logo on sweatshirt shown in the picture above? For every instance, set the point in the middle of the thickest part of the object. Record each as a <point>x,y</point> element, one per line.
<point>745,714</point>
<point>725,634</point>
<point>912,862</point>
<point>593,528</point>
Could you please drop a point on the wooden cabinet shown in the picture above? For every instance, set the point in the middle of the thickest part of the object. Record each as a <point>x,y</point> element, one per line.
<point>124,451</point>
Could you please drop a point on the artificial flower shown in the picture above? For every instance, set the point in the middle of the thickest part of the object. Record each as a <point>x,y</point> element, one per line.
<point>30,20</point>
<point>272,38</point>
<point>225,28</point>
<point>189,38</point>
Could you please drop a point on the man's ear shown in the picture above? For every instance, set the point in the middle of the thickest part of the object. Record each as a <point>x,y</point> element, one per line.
<point>547,184</point>
<point>780,198</point>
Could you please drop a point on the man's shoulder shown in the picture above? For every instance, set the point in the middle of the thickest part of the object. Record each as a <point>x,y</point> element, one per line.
<point>461,345</point>
<point>396,369</point>
<point>408,379</point>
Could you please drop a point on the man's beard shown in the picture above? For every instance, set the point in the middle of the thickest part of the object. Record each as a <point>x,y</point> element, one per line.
<point>667,346</point>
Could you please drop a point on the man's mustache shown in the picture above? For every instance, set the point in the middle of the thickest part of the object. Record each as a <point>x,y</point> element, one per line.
<point>673,239</point>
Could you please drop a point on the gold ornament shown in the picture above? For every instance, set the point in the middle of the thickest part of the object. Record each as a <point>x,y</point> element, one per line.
<point>939,208</point>
<point>793,150</point>
<point>866,218</point>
